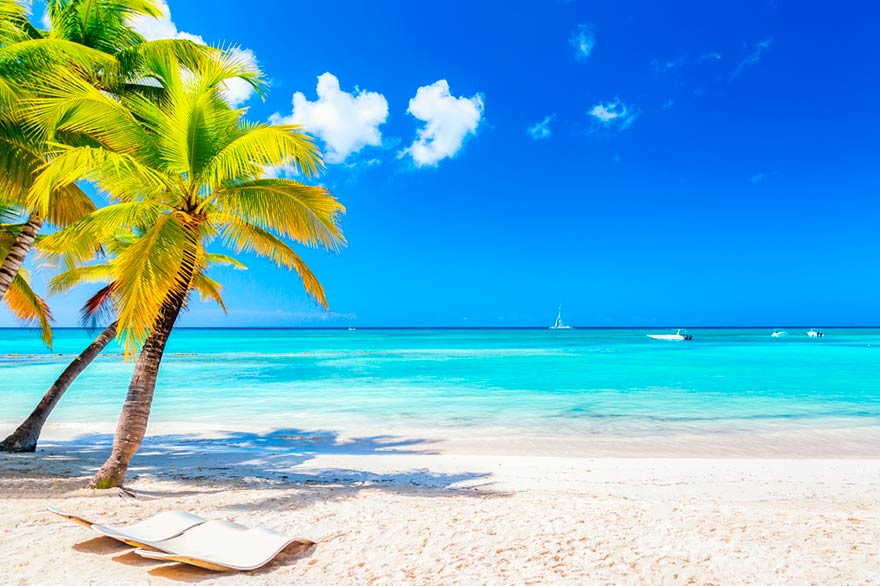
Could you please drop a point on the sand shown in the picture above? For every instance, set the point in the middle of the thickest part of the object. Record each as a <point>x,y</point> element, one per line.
<point>391,511</point>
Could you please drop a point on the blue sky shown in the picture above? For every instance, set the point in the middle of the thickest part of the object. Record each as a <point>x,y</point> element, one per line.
<point>693,163</point>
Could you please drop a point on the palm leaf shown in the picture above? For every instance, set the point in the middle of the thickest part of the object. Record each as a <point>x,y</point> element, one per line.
<point>98,308</point>
<point>81,240</point>
<point>308,214</point>
<point>66,280</point>
<point>217,259</point>
<point>149,272</point>
<point>263,146</point>
<point>121,175</point>
<point>209,289</point>
<point>28,306</point>
<point>244,237</point>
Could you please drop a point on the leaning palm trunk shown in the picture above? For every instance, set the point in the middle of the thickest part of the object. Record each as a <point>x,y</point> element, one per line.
<point>24,439</point>
<point>19,251</point>
<point>132,425</point>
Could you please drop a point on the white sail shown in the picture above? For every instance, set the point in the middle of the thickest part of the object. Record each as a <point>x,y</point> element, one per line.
<point>558,324</point>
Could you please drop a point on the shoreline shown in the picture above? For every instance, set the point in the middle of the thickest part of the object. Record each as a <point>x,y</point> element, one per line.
<point>837,441</point>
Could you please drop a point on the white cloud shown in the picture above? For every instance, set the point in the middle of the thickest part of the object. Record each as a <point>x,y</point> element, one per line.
<point>154,29</point>
<point>346,122</point>
<point>541,130</point>
<point>448,121</point>
<point>753,57</point>
<point>237,91</point>
<point>583,40</point>
<point>614,114</point>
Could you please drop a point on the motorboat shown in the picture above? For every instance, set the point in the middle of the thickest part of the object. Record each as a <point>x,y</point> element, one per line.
<point>815,333</point>
<point>670,336</point>
<point>779,334</point>
<point>558,324</point>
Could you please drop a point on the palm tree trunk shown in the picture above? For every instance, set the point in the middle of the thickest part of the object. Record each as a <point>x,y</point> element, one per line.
<point>19,251</point>
<point>132,425</point>
<point>24,439</point>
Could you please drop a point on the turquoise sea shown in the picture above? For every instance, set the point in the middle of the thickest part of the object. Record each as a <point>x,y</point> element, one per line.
<point>581,382</point>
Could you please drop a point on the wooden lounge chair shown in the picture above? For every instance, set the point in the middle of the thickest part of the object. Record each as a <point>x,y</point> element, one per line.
<point>159,527</point>
<point>222,546</point>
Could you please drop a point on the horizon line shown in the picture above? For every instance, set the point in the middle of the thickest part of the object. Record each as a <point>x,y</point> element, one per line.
<point>346,328</point>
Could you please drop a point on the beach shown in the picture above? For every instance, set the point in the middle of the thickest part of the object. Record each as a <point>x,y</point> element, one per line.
<point>399,513</point>
<point>307,294</point>
<point>470,457</point>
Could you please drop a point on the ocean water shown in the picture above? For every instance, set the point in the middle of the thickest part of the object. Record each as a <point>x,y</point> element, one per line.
<point>580,382</point>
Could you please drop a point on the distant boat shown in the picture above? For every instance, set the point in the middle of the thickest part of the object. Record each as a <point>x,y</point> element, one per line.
<point>779,334</point>
<point>352,329</point>
<point>815,333</point>
<point>558,325</point>
<point>669,336</point>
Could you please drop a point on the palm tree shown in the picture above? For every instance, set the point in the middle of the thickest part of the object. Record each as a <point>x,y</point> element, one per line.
<point>20,297</point>
<point>92,38</point>
<point>26,435</point>
<point>185,172</point>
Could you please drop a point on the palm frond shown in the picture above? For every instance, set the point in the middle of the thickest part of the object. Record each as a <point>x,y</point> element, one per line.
<point>28,306</point>
<point>143,62</point>
<point>27,59</point>
<point>66,103</point>
<point>82,240</point>
<point>307,214</point>
<point>102,24</point>
<point>223,260</point>
<point>149,272</point>
<point>120,175</point>
<point>261,146</point>
<point>98,309</point>
<point>209,289</point>
<point>229,63</point>
<point>66,280</point>
<point>244,237</point>
<point>67,204</point>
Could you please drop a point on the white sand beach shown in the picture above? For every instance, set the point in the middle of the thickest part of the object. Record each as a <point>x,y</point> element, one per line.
<point>386,511</point>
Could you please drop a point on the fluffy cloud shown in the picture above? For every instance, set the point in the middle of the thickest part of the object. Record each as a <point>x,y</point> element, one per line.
<point>582,40</point>
<point>753,57</point>
<point>541,129</point>
<point>237,91</point>
<point>345,122</point>
<point>614,114</point>
<point>448,121</point>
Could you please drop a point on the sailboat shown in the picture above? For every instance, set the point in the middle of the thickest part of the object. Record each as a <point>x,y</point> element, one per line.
<point>558,325</point>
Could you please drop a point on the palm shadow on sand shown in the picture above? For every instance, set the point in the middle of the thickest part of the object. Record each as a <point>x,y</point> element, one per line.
<point>277,459</point>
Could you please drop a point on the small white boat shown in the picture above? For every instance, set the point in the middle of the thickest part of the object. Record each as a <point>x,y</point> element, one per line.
<point>558,325</point>
<point>352,329</point>
<point>779,334</point>
<point>815,333</point>
<point>670,336</point>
